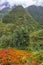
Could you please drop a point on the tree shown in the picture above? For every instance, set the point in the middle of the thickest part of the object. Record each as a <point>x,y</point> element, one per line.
<point>21,38</point>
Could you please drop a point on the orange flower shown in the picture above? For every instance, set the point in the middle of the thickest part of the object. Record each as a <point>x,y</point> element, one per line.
<point>15,57</point>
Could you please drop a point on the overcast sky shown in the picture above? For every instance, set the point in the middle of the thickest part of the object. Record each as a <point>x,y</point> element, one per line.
<point>25,3</point>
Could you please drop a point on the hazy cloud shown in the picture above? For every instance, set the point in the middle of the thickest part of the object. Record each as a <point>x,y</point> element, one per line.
<point>23,2</point>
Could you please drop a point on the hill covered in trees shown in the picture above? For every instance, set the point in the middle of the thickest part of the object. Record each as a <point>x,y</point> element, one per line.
<point>17,29</point>
<point>36,12</point>
<point>21,17</point>
<point>21,39</point>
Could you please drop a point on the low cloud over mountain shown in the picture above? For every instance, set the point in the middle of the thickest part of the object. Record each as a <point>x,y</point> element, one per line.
<point>25,3</point>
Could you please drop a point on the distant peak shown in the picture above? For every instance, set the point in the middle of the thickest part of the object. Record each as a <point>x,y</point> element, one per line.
<point>4,5</point>
<point>35,6</point>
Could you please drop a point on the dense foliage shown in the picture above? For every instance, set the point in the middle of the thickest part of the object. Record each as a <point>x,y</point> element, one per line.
<point>19,16</point>
<point>13,36</point>
<point>36,12</point>
<point>18,30</point>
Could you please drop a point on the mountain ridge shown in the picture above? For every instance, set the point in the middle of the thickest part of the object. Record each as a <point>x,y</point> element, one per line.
<point>36,12</point>
<point>22,16</point>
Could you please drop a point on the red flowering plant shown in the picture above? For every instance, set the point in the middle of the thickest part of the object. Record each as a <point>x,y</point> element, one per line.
<point>16,57</point>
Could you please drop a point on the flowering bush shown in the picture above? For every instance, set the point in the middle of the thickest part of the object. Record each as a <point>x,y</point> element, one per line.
<point>16,57</point>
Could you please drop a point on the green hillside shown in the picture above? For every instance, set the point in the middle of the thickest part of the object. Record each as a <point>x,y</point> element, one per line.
<point>21,38</point>
<point>18,30</point>
<point>21,17</point>
<point>36,39</point>
<point>36,12</point>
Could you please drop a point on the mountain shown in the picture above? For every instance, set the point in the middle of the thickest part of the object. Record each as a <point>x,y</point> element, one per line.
<point>4,5</point>
<point>4,8</point>
<point>36,12</point>
<point>19,30</point>
<point>20,16</point>
<point>4,11</point>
